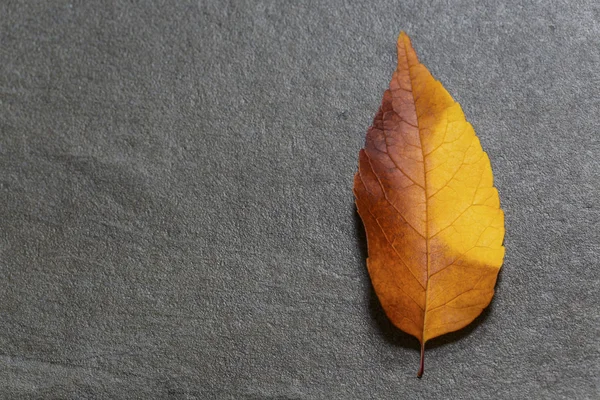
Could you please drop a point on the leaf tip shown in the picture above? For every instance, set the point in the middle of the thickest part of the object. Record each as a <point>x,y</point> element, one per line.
<point>402,37</point>
<point>405,50</point>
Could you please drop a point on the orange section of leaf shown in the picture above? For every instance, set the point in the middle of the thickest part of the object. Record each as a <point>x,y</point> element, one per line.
<point>425,193</point>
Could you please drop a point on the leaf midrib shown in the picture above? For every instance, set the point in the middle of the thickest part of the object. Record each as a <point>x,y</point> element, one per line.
<point>412,92</point>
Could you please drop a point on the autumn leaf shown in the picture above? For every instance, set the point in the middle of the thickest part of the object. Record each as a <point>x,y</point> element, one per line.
<point>424,191</point>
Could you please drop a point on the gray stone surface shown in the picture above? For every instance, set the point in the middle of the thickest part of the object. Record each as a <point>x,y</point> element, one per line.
<point>176,212</point>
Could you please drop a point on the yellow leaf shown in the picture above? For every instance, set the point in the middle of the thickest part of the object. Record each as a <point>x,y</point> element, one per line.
<point>424,191</point>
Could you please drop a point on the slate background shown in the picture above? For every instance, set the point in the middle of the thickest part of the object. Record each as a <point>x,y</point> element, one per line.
<point>176,213</point>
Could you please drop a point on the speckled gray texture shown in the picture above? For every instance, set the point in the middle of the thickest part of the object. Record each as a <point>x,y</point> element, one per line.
<point>176,209</point>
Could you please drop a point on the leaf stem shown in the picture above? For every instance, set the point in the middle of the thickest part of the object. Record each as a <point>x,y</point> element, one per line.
<point>422,364</point>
